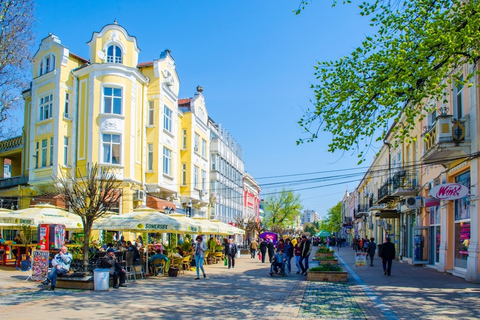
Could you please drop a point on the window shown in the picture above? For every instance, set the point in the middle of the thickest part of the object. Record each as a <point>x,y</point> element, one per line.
<point>167,161</point>
<point>151,113</point>
<point>197,140</point>
<point>46,65</point>
<point>44,152</point>
<point>111,148</point>
<point>204,148</point>
<point>214,160</point>
<point>112,100</point>
<point>184,174</point>
<point>65,150</point>
<point>114,54</point>
<point>204,180</point>
<point>167,118</point>
<point>195,177</point>
<point>458,101</point>
<point>67,105</point>
<point>37,146</point>
<point>46,105</point>
<point>150,157</point>
<point>184,139</point>
<point>51,151</point>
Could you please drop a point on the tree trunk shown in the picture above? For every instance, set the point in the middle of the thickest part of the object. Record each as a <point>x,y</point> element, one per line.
<point>87,229</point>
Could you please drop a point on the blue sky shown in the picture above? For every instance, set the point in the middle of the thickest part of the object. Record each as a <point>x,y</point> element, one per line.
<point>255,61</point>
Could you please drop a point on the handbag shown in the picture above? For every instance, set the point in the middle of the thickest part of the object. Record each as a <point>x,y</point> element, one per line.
<point>259,256</point>
<point>225,262</point>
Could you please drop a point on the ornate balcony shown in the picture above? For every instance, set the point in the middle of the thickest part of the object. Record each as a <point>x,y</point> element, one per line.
<point>13,182</point>
<point>446,139</point>
<point>12,143</point>
<point>405,183</point>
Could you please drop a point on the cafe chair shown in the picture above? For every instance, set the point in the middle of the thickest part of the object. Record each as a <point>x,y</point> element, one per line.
<point>157,266</point>
<point>129,268</point>
<point>186,263</point>
<point>138,267</point>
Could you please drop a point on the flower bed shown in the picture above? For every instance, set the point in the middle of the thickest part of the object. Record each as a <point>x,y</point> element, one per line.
<point>327,261</point>
<point>327,272</point>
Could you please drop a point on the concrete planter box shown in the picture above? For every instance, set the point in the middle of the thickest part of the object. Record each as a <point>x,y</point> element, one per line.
<point>327,261</point>
<point>329,276</point>
<point>324,254</point>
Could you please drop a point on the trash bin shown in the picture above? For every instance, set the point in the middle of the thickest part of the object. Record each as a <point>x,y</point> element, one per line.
<point>101,279</point>
<point>173,272</point>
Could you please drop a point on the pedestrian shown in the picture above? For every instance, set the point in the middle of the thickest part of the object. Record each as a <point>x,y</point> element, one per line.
<point>355,244</point>
<point>387,255</point>
<point>281,245</point>
<point>109,261</point>
<point>230,252</point>
<point>263,249</point>
<point>371,250</point>
<point>296,250</point>
<point>288,254</point>
<point>339,243</point>
<point>60,265</point>
<point>365,244</point>
<point>200,250</point>
<point>305,249</point>
<point>253,248</point>
<point>270,249</point>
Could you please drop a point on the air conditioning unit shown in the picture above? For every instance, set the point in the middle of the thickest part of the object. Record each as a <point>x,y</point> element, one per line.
<point>413,202</point>
<point>139,195</point>
<point>202,193</point>
<point>196,149</point>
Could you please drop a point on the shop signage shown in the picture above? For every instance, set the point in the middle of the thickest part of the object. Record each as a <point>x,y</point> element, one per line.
<point>431,202</point>
<point>360,259</point>
<point>449,191</point>
<point>40,264</point>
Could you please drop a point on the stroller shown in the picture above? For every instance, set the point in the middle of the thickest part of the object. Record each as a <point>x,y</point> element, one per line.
<point>277,268</point>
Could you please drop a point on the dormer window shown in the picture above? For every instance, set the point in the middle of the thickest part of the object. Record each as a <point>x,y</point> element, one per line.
<point>114,54</point>
<point>46,65</point>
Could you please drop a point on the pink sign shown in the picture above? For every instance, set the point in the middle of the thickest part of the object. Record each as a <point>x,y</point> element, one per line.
<point>431,202</point>
<point>449,191</point>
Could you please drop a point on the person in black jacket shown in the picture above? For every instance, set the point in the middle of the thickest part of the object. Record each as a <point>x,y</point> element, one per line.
<point>387,255</point>
<point>263,249</point>
<point>132,248</point>
<point>116,270</point>
<point>271,250</point>
<point>305,249</point>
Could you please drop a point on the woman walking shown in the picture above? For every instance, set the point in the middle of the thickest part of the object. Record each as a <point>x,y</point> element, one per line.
<point>296,249</point>
<point>200,256</point>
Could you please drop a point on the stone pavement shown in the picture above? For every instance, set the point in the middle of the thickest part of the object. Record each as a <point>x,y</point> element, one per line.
<point>411,292</point>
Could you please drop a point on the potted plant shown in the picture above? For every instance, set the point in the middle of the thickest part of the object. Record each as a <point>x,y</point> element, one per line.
<point>323,252</point>
<point>326,260</point>
<point>327,272</point>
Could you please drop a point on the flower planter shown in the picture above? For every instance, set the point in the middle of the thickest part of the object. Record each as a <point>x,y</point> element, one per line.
<point>327,261</point>
<point>329,276</point>
<point>324,254</point>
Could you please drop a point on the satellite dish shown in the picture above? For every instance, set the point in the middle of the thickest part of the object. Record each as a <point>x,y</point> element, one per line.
<point>101,54</point>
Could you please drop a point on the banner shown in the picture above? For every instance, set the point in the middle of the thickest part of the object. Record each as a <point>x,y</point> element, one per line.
<point>360,259</point>
<point>40,264</point>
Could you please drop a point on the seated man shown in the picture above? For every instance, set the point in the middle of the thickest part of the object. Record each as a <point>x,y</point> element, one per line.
<point>132,248</point>
<point>61,265</point>
<point>277,264</point>
<point>157,255</point>
<point>116,269</point>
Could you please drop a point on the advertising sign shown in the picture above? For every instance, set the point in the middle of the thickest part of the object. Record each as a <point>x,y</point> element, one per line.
<point>360,259</point>
<point>51,236</point>
<point>431,202</point>
<point>272,236</point>
<point>40,264</point>
<point>449,191</point>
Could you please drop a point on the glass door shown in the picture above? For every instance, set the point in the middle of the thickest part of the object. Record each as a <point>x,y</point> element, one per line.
<point>420,245</point>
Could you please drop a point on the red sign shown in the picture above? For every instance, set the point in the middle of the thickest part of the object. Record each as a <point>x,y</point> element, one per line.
<point>431,202</point>
<point>449,191</point>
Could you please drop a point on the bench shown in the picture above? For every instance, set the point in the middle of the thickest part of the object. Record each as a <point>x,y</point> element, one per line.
<point>77,280</point>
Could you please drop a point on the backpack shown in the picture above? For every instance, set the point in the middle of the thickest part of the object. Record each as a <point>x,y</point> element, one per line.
<point>365,244</point>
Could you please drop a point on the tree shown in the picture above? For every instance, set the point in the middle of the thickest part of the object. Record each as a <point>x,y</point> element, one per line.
<point>281,209</point>
<point>250,224</point>
<point>16,39</point>
<point>333,221</point>
<point>89,196</point>
<point>402,70</point>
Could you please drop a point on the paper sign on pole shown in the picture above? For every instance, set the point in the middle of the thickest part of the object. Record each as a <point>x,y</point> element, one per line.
<point>40,264</point>
<point>360,259</point>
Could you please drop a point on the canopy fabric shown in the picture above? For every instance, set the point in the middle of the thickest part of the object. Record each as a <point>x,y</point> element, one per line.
<point>142,219</point>
<point>229,228</point>
<point>40,214</point>
<point>194,224</point>
<point>324,233</point>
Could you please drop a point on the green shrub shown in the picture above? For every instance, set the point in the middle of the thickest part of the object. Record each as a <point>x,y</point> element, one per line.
<point>323,250</point>
<point>325,258</point>
<point>326,267</point>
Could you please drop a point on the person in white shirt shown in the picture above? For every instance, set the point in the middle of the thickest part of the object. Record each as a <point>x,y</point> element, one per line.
<point>61,265</point>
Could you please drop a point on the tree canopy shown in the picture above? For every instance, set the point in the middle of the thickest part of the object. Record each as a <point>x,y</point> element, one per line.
<point>281,209</point>
<point>333,221</point>
<point>415,47</point>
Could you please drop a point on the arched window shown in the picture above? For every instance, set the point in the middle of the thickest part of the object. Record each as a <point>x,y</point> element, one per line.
<point>114,54</point>
<point>47,64</point>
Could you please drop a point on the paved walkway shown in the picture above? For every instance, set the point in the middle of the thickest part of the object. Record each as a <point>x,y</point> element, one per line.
<point>411,292</point>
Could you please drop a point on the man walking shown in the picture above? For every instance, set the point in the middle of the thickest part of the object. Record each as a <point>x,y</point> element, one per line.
<point>61,265</point>
<point>263,249</point>
<point>387,255</point>
<point>305,249</point>
<point>253,248</point>
<point>271,250</point>
<point>230,252</point>
<point>371,250</point>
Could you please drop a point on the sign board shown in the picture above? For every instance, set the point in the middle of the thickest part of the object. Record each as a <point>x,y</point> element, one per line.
<point>431,202</point>
<point>50,236</point>
<point>449,191</point>
<point>360,259</point>
<point>40,264</point>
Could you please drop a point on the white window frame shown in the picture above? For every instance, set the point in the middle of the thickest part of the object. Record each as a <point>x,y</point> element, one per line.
<point>116,56</point>
<point>150,157</point>
<point>167,161</point>
<point>111,144</point>
<point>37,153</point>
<point>167,118</point>
<point>47,64</point>
<point>184,174</point>
<point>151,113</point>
<point>112,97</point>
<point>195,177</point>
<point>45,107</point>
<point>52,143</point>
<point>458,101</point>
<point>204,148</point>
<point>44,152</point>
<point>66,111</point>
<point>184,139</point>
<point>204,180</point>
<point>196,141</point>
<point>66,147</point>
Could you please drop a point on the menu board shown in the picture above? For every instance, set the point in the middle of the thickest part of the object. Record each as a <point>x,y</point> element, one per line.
<point>40,264</point>
<point>360,259</point>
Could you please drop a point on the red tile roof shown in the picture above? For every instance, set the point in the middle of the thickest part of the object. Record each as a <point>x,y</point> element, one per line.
<point>144,64</point>
<point>78,57</point>
<point>184,101</point>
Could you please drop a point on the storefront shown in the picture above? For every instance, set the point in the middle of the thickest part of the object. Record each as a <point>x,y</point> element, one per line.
<point>462,224</point>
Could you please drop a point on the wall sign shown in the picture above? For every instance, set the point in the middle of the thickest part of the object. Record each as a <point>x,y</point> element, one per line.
<point>449,191</point>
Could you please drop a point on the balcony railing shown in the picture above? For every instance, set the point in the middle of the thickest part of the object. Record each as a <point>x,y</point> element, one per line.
<point>12,182</point>
<point>11,143</point>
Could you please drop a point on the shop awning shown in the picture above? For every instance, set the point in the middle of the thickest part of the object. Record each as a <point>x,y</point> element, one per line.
<point>389,214</point>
